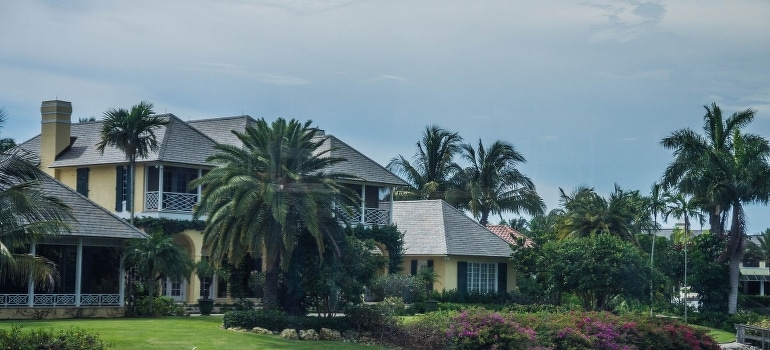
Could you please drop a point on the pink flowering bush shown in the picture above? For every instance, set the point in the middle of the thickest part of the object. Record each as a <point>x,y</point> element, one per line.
<point>481,329</point>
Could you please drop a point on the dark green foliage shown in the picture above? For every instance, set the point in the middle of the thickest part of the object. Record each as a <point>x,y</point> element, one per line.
<point>707,275</point>
<point>427,332</point>
<point>168,226</point>
<point>406,287</point>
<point>597,269</point>
<point>330,282</point>
<point>273,320</point>
<point>71,339</point>
<point>161,305</point>
<point>390,237</point>
<point>362,318</point>
<point>472,297</point>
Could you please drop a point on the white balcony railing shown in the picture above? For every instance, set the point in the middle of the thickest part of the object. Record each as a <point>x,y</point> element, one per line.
<point>22,300</point>
<point>172,201</point>
<point>372,216</point>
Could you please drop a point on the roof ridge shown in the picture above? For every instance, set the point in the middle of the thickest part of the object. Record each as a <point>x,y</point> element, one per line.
<point>245,116</point>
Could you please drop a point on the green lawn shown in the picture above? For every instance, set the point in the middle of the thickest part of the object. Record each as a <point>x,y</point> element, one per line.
<point>176,333</point>
<point>719,335</point>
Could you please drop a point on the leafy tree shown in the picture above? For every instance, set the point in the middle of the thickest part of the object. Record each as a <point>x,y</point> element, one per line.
<point>432,168</point>
<point>133,133</point>
<point>332,281</point>
<point>725,169</point>
<point>155,258</point>
<point>27,214</point>
<point>493,185</point>
<point>586,213</point>
<point>265,194</point>
<point>598,269</point>
<point>708,273</point>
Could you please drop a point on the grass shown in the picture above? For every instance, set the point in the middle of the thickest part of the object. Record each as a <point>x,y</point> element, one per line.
<point>719,335</point>
<point>178,333</point>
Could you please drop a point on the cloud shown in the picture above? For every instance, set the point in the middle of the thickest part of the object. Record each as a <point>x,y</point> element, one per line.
<point>626,21</point>
<point>306,7</point>
<point>389,77</point>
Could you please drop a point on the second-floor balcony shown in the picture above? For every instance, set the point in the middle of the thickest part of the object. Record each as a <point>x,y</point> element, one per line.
<point>170,201</point>
<point>371,216</point>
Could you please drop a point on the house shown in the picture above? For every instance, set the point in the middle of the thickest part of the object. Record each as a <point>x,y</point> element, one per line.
<point>465,255</point>
<point>91,282</point>
<point>67,151</point>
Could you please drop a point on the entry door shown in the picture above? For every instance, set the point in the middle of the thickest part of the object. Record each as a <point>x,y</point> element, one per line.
<point>174,289</point>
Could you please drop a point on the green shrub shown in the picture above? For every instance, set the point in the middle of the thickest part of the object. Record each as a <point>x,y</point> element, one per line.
<point>369,318</point>
<point>392,306</point>
<point>472,297</point>
<point>395,285</point>
<point>426,332</point>
<point>162,305</point>
<point>72,339</point>
<point>248,319</point>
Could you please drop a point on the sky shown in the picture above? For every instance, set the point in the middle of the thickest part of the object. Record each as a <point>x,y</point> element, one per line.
<point>585,90</point>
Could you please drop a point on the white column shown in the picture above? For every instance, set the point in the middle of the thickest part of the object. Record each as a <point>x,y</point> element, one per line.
<point>390,215</point>
<point>31,283</point>
<point>363,204</point>
<point>200,174</point>
<point>78,271</point>
<point>122,286</point>
<point>160,188</point>
<point>762,288</point>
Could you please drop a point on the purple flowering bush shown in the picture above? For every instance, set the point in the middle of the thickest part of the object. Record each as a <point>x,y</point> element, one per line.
<point>483,329</point>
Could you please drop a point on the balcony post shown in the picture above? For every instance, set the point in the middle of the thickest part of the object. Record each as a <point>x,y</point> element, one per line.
<point>198,198</point>
<point>31,283</point>
<point>160,188</point>
<point>78,271</point>
<point>390,215</point>
<point>363,204</point>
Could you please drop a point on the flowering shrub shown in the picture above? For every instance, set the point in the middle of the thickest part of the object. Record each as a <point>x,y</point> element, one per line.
<point>482,329</point>
<point>477,329</point>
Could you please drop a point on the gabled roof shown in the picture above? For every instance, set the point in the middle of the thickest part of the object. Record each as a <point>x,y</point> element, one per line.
<point>92,220</point>
<point>357,163</point>
<point>510,235</point>
<point>178,143</point>
<point>433,227</point>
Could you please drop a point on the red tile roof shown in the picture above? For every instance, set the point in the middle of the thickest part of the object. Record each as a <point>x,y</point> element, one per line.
<point>510,235</point>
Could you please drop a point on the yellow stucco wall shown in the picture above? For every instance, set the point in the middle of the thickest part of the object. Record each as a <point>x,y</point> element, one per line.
<point>447,269</point>
<point>101,184</point>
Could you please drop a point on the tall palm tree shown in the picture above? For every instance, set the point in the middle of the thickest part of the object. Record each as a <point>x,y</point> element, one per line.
<point>263,195</point>
<point>493,184</point>
<point>133,133</point>
<point>432,167</point>
<point>657,205</point>
<point>586,213</point>
<point>155,258</point>
<point>725,169</point>
<point>681,206</point>
<point>27,215</point>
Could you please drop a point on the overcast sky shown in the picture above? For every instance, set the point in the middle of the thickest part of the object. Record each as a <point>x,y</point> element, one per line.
<point>584,89</point>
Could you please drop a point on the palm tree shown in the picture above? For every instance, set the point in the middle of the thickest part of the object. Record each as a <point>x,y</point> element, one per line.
<point>27,215</point>
<point>432,167</point>
<point>133,133</point>
<point>760,251</point>
<point>681,206</point>
<point>725,169</point>
<point>493,184</point>
<point>586,213</point>
<point>265,194</point>
<point>155,258</point>
<point>657,205</point>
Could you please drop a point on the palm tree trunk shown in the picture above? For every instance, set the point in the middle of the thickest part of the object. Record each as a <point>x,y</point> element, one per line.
<point>272,271</point>
<point>735,244</point>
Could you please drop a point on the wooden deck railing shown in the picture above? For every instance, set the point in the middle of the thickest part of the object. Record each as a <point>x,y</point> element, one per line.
<point>757,336</point>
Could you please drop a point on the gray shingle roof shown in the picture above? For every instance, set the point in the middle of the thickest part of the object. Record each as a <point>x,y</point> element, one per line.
<point>357,163</point>
<point>178,143</point>
<point>433,227</point>
<point>92,219</point>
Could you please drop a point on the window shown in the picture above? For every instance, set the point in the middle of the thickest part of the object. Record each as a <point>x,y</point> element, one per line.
<point>121,189</point>
<point>482,277</point>
<point>81,181</point>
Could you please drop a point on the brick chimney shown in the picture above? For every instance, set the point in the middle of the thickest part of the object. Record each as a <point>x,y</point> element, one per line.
<point>55,131</point>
